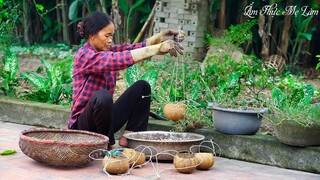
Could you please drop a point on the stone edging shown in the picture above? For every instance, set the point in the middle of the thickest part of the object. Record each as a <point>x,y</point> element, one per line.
<point>261,149</point>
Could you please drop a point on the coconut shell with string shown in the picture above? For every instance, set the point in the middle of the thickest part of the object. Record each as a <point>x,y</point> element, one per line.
<point>174,111</point>
<point>136,158</point>
<point>115,164</point>
<point>185,162</point>
<point>206,160</point>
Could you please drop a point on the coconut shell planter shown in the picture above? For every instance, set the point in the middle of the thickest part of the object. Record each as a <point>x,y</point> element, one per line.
<point>186,162</point>
<point>206,160</point>
<point>174,111</point>
<point>115,164</point>
<point>136,158</point>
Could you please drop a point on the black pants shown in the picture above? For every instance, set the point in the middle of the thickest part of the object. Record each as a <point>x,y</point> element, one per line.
<point>103,116</point>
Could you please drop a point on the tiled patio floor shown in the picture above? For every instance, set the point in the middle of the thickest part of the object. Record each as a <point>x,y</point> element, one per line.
<point>19,166</point>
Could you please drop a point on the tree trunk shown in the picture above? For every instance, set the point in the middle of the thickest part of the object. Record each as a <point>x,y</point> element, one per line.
<point>26,23</point>
<point>117,19</point>
<point>264,38</point>
<point>274,37</point>
<point>103,6</point>
<point>134,25</point>
<point>127,36</point>
<point>242,18</point>
<point>285,34</point>
<point>65,31</point>
<point>222,15</point>
<point>58,12</point>
<point>83,13</point>
<point>98,6</point>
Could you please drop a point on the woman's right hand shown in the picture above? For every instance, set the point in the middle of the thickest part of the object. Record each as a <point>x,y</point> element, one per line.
<point>172,47</point>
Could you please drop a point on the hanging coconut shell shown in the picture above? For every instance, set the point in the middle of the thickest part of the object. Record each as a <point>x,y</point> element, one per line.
<point>136,158</point>
<point>174,111</point>
<point>185,162</point>
<point>115,164</point>
<point>206,160</point>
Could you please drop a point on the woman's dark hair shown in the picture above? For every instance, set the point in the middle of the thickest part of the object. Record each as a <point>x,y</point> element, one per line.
<point>93,23</point>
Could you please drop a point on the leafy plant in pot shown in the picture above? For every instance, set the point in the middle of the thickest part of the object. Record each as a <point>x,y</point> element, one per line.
<point>239,97</point>
<point>235,81</point>
<point>296,120</point>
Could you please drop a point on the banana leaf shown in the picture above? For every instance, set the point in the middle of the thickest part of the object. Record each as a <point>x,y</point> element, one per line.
<point>38,81</point>
<point>56,77</point>
<point>73,10</point>
<point>48,66</point>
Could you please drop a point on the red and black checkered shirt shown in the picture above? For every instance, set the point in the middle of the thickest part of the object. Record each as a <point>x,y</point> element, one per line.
<point>94,71</point>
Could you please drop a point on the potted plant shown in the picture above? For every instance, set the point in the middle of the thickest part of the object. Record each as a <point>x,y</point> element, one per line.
<point>236,82</point>
<point>296,120</point>
<point>239,98</point>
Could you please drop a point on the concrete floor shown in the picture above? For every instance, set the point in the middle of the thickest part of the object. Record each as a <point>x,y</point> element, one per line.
<point>19,166</point>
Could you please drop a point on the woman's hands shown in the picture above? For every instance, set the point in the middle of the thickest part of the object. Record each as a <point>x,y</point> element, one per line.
<point>168,34</point>
<point>168,46</point>
<point>172,47</point>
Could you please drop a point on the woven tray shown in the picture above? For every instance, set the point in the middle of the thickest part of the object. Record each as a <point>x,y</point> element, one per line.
<point>57,147</point>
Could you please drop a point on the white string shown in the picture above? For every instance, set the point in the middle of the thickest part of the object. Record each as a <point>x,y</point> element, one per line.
<point>183,73</point>
<point>153,154</point>
<point>182,66</point>
<point>174,71</point>
<point>176,80</point>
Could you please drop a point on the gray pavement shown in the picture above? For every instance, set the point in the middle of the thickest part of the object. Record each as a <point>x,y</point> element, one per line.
<point>19,166</point>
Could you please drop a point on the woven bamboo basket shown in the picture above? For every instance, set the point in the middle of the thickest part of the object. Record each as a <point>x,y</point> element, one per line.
<point>276,62</point>
<point>63,148</point>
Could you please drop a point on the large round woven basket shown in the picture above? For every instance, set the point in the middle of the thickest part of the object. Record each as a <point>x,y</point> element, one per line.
<point>58,147</point>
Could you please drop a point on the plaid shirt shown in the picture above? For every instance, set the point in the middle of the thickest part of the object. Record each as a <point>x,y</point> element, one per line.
<point>94,71</point>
